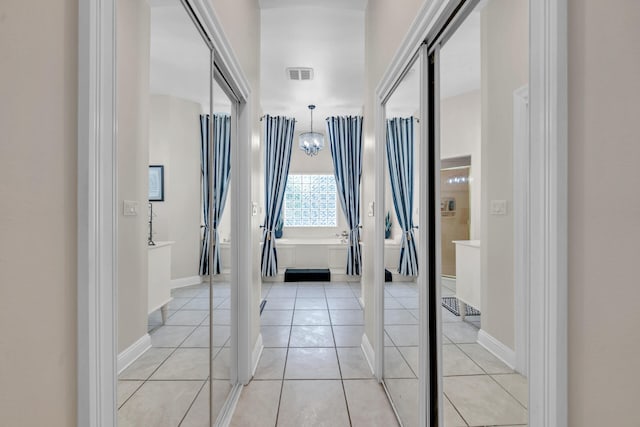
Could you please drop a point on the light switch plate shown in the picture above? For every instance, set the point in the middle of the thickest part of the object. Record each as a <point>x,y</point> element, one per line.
<point>254,209</point>
<point>370,212</point>
<point>129,208</point>
<point>498,207</point>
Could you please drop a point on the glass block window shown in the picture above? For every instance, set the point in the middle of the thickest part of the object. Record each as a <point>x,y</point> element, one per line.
<point>310,201</point>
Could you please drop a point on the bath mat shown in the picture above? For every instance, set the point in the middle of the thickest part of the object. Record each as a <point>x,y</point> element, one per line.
<point>307,275</point>
<point>451,304</point>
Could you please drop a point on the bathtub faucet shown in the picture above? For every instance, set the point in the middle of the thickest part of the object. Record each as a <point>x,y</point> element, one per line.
<point>344,236</point>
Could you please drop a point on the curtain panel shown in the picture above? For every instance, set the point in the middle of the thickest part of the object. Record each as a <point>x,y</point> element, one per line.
<point>278,139</point>
<point>345,137</point>
<point>400,160</point>
<point>215,197</point>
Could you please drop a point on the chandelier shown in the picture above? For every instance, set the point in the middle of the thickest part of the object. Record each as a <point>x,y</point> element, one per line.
<point>311,142</point>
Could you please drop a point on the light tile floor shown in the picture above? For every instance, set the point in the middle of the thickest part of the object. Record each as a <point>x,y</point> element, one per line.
<point>168,385</point>
<point>312,371</point>
<point>479,390</point>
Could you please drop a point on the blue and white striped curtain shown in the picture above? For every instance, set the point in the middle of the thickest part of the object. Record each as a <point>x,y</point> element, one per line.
<point>345,137</point>
<point>220,175</point>
<point>278,137</point>
<point>400,160</point>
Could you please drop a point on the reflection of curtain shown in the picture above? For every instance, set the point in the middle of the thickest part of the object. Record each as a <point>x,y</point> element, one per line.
<point>400,160</point>
<point>345,137</point>
<point>278,137</point>
<point>220,175</point>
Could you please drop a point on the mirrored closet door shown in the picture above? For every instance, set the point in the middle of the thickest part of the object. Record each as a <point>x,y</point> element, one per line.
<point>185,378</point>
<point>480,64</point>
<point>470,368</point>
<point>401,292</point>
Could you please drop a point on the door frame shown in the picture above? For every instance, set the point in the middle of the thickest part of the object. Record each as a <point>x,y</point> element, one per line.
<point>521,226</point>
<point>98,204</point>
<point>547,209</point>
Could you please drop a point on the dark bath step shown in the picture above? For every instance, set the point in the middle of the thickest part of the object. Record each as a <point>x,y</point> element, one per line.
<point>307,275</point>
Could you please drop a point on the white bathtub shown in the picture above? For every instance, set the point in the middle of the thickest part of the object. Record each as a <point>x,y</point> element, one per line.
<point>319,253</point>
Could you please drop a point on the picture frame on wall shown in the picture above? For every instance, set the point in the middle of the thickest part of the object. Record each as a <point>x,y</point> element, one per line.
<point>156,183</point>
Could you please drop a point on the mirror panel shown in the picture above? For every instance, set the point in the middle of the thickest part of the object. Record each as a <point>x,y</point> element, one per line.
<point>401,302</point>
<point>189,309</point>
<point>222,188</point>
<point>480,76</point>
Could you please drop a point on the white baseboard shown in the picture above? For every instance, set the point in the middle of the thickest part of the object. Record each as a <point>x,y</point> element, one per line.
<point>185,281</point>
<point>369,354</point>
<point>498,349</point>
<point>224,276</point>
<point>135,350</point>
<point>397,277</point>
<point>256,354</point>
<point>449,282</point>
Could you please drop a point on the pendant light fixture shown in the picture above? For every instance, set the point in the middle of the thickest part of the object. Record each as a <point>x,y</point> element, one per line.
<point>311,142</point>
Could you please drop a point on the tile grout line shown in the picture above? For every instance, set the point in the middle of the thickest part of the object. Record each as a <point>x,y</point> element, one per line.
<point>344,392</point>
<point>487,374</point>
<point>455,408</point>
<point>194,400</point>
<point>174,350</point>
<point>286,357</point>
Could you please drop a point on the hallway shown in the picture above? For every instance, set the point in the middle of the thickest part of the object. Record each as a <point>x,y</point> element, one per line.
<point>313,371</point>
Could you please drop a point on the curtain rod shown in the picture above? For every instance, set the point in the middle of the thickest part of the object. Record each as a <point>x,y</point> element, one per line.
<point>265,115</point>
<point>295,121</point>
<point>417,120</point>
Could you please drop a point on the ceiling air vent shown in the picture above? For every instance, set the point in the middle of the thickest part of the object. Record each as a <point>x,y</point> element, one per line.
<point>300,73</point>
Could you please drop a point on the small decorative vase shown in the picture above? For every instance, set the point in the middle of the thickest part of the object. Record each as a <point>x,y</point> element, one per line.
<point>387,234</point>
<point>278,233</point>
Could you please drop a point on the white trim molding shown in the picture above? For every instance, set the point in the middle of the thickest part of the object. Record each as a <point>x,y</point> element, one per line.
<point>256,354</point>
<point>135,350</point>
<point>97,207</point>
<point>548,213</point>
<point>521,229</point>
<point>186,281</point>
<point>229,407</point>
<point>369,353</point>
<point>497,348</point>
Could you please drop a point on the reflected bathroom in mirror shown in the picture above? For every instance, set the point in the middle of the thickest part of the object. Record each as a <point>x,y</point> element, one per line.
<point>401,303</point>
<point>181,332</point>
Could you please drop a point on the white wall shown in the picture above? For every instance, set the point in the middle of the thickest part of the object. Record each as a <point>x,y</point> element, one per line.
<point>460,134</point>
<point>174,141</point>
<point>604,212</point>
<point>505,65</point>
<point>38,205</point>
<point>133,160</point>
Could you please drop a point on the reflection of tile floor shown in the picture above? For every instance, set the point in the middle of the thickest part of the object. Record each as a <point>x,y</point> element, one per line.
<point>479,389</point>
<point>312,371</point>
<point>167,385</point>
